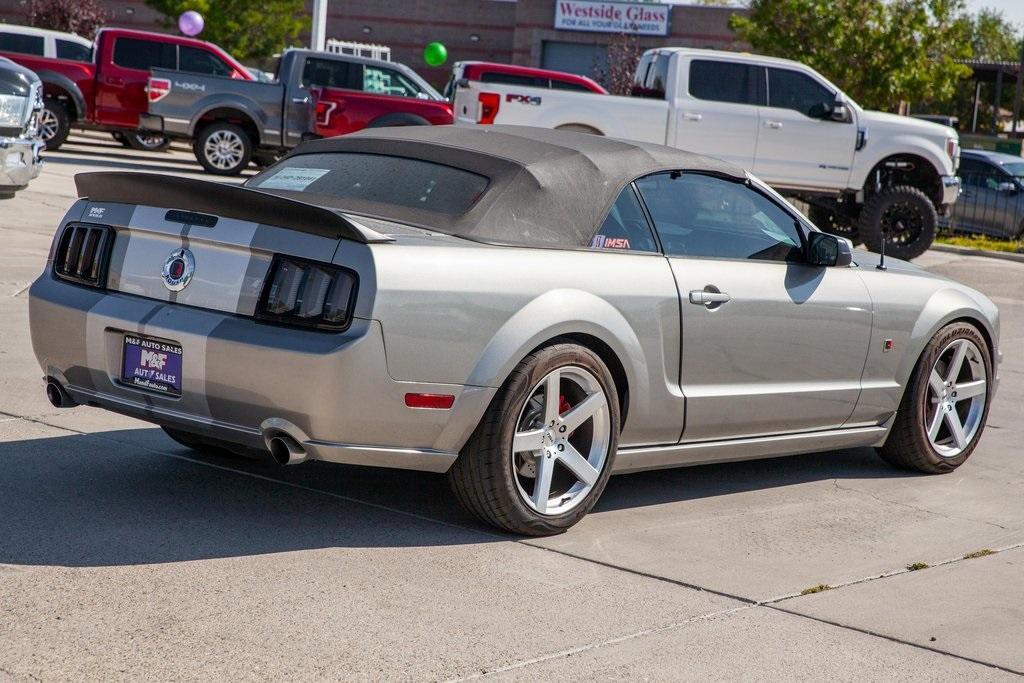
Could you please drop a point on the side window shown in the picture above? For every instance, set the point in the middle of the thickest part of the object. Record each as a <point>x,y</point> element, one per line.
<point>132,53</point>
<point>23,44</point>
<point>794,90</point>
<point>197,61</point>
<point>625,227</point>
<point>67,49</point>
<point>331,73</point>
<point>973,172</point>
<point>388,82</point>
<point>725,81</point>
<point>700,215</point>
<point>651,78</point>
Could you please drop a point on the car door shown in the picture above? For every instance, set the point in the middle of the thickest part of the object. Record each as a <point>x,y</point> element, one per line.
<point>123,75</point>
<point>796,147</point>
<point>770,344</point>
<point>973,209</point>
<point>718,116</point>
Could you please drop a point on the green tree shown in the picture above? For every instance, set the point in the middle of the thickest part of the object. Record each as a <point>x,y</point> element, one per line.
<point>246,29</point>
<point>993,37</point>
<point>881,52</point>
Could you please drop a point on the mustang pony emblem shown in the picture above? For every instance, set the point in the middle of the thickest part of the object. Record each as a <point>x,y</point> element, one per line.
<point>178,269</point>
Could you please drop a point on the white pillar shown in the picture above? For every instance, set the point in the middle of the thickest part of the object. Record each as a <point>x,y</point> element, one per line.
<point>318,36</point>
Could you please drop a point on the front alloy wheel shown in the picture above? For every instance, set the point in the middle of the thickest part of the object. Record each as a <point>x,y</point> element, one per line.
<point>942,414</point>
<point>543,452</point>
<point>957,388</point>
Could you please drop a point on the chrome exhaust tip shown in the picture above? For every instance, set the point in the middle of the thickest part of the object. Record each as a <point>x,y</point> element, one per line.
<point>286,451</point>
<point>58,396</point>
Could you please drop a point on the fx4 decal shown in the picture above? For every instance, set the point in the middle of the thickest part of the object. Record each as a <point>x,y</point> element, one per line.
<point>522,99</point>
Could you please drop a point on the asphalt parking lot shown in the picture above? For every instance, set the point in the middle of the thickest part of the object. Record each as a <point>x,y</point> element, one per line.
<point>126,556</point>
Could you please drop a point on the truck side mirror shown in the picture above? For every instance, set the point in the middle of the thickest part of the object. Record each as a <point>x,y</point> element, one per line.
<point>839,112</point>
<point>1007,187</point>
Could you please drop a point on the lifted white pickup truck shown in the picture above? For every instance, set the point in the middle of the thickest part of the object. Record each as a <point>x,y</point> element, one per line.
<point>865,174</point>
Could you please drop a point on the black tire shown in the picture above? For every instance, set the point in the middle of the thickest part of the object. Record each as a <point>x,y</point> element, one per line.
<point>833,222</point>
<point>61,123</point>
<point>212,165</point>
<point>906,216</point>
<point>397,119</point>
<point>484,478</point>
<point>146,142</point>
<point>209,446</point>
<point>119,137</point>
<point>908,446</point>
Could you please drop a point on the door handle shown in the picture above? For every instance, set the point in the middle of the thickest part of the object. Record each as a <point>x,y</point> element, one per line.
<point>773,124</point>
<point>703,297</point>
<point>300,100</point>
<point>115,80</point>
<point>690,116</point>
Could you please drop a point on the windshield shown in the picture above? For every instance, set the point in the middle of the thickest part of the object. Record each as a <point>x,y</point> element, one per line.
<point>345,179</point>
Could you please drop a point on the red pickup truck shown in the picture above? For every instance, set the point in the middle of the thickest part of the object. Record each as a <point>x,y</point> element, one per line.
<point>109,92</point>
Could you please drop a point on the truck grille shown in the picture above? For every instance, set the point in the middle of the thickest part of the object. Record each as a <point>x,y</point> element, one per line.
<point>82,254</point>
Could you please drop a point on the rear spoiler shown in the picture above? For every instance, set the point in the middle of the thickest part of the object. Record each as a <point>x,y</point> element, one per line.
<point>220,199</point>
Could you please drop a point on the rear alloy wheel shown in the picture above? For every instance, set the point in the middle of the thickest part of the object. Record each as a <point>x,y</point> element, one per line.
<point>54,123</point>
<point>905,216</point>
<point>223,148</point>
<point>545,448</point>
<point>943,412</point>
<point>147,142</point>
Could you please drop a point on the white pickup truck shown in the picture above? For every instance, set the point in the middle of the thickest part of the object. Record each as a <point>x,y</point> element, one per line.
<point>865,174</point>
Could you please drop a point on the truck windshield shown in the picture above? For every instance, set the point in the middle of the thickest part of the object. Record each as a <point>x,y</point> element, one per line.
<point>385,181</point>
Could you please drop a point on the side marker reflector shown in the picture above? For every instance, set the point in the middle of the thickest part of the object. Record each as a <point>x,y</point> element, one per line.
<point>434,401</point>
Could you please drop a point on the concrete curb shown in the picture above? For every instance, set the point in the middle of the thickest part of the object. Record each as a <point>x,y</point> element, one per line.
<point>964,251</point>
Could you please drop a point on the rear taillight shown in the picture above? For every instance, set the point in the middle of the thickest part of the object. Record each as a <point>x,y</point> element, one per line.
<point>157,89</point>
<point>309,294</point>
<point>82,254</point>
<point>323,112</point>
<point>488,107</point>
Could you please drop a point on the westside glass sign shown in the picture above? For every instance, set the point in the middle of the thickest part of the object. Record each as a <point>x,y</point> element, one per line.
<point>645,19</point>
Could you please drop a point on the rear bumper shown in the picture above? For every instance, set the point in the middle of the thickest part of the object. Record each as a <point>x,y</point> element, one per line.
<point>20,162</point>
<point>244,382</point>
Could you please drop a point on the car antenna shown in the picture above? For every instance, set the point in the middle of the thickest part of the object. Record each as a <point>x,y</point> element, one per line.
<point>881,251</point>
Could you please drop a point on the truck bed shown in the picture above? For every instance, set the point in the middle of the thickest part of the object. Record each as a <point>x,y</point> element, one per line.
<point>191,96</point>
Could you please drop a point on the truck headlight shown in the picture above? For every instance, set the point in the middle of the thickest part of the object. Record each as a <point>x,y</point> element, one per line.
<point>12,110</point>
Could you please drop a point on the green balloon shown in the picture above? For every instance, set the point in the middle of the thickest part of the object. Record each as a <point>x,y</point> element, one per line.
<point>435,54</point>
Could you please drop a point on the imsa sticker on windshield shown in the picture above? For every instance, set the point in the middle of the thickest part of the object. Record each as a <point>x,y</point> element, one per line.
<point>294,178</point>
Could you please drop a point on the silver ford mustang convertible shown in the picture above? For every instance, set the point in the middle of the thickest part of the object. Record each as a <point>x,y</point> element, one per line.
<point>529,311</point>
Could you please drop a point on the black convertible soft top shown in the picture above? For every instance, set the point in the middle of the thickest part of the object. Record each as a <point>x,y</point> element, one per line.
<point>546,187</point>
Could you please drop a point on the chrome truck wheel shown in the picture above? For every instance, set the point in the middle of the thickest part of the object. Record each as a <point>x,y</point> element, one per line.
<point>223,148</point>
<point>542,454</point>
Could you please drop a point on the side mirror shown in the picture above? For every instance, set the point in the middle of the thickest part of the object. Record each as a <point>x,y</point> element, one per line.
<point>1007,186</point>
<point>824,249</point>
<point>839,112</point>
<point>821,110</point>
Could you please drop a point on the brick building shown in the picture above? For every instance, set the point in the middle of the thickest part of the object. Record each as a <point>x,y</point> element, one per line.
<point>516,31</point>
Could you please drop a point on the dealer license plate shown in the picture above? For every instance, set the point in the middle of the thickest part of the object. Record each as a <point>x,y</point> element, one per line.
<point>151,365</point>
